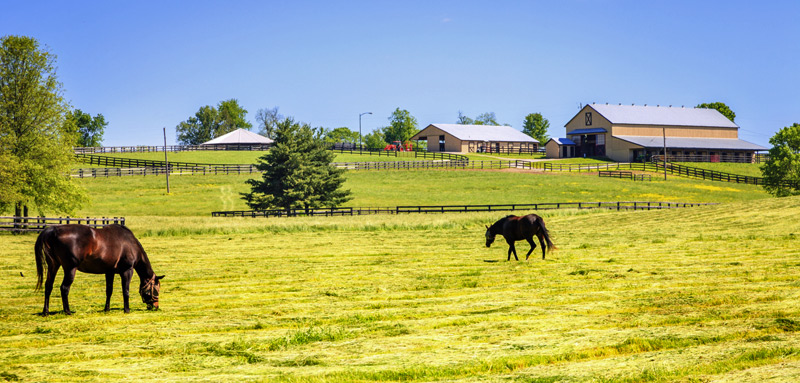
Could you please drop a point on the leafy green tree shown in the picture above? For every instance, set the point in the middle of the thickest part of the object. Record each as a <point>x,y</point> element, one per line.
<point>232,116</point>
<point>375,140</point>
<point>342,134</point>
<point>782,170</point>
<point>268,121</point>
<point>721,107</point>
<point>211,122</point>
<point>297,172</point>
<point>464,120</point>
<point>486,119</point>
<point>536,126</point>
<point>402,126</point>
<point>199,128</point>
<point>90,129</point>
<point>35,137</point>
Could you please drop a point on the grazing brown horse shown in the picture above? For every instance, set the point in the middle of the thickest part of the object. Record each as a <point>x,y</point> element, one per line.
<point>514,228</point>
<point>109,250</point>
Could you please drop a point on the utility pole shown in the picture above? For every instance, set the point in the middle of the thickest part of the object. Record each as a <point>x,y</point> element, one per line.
<point>166,162</point>
<point>359,128</point>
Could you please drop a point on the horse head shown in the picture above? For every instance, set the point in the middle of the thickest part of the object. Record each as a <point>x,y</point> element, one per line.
<point>149,292</point>
<point>489,236</point>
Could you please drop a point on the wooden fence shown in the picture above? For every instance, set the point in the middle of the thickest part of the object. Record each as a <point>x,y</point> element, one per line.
<point>170,148</point>
<point>33,224</point>
<point>350,211</point>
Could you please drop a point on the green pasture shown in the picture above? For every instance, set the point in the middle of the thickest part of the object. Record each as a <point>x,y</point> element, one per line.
<point>200,195</point>
<point>752,170</point>
<point>690,295</point>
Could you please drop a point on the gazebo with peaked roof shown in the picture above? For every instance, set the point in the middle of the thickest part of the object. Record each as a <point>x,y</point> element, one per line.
<point>240,139</point>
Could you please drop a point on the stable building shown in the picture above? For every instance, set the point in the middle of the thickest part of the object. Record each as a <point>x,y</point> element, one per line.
<point>628,133</point>
<point>475,139</point>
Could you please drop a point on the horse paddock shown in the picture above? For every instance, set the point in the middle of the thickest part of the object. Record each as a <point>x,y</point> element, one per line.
<point>659,296</point>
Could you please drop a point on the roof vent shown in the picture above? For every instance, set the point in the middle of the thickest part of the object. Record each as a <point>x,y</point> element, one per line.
<point>658,106</point>
<point>633,104</point>
<point>620,103</point>
<point>606,103</point>
<point>645,104</point>
<point>681,106</point>
<point>670,105</point>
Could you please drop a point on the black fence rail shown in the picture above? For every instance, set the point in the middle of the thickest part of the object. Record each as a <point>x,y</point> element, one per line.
<point>212,169</point>
<point>393,153</point>
<point>154,171</point>
<point>706,174</point>
<point>170,148</point>
<point>352,211</point>
<point>594,167</point>
<point>615,174</point>
<point>35,224</point>
<point>121,162</point>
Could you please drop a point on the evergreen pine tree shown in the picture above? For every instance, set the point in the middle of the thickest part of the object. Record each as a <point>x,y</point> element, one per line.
<point>297,172</point>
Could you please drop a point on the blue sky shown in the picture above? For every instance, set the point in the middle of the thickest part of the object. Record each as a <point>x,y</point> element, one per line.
<point>146,65</point>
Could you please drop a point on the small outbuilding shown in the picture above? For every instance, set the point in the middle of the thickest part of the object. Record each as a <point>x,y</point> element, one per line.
<point>475,138</point>
<point>559,148</point>
<point>239,139</point>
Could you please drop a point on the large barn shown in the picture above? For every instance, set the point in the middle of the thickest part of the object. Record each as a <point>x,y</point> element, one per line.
<point>475,138</point>
<point>631,132</point>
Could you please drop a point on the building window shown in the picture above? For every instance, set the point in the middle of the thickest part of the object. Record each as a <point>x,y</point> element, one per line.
<point>588,118</point>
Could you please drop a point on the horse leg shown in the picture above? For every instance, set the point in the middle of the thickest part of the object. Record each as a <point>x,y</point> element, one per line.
<point>126,288</point>
<point>69,276</point>
<point>109,290</point>
<point>52,270</point>
<point>512,249</point>
<point>533,246</point>
<point>541,241</point>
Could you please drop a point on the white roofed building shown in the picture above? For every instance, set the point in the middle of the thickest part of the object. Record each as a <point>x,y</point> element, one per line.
<point>239,138</point>
<point>630,132</point>
<point>475,138</point>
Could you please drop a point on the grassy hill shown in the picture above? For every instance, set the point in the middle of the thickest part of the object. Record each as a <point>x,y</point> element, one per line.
<point>200,195</point>
<point>696,294</point>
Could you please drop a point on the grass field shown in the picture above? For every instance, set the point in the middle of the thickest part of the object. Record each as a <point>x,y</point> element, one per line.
<point>752,170</point>
<point>689,295</point>
<point>200,195</point>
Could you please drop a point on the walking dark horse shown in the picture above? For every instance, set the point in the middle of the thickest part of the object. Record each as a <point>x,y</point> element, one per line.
<point>514,228</point>
<point>109,250</point>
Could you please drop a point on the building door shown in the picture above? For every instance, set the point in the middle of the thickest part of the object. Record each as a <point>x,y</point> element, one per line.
<point>441,143</point>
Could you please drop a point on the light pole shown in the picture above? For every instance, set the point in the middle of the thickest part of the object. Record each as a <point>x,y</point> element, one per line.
<point>359,128</point>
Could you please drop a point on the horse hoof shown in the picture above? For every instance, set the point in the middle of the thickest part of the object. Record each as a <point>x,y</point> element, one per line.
<point>127,311</point>
<point>67,312</point>
<point>44,314</point>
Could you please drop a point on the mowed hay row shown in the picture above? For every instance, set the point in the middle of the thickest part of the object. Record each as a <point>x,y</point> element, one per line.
<point>686,294</point>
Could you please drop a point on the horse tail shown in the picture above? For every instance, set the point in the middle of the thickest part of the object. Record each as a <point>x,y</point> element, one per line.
<point>42,250</point>
<point>546,235</point>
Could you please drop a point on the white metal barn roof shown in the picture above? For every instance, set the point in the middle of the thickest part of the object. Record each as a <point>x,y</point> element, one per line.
<point>239,136</point>
<point>484,133</point>
<point>663,115</point>
<point>692,143</point>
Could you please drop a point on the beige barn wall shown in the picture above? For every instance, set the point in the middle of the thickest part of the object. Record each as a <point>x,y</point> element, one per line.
<point>674,131</point>
<point>619,150</point>
<point>579,122</point>
<point>552,150</point>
